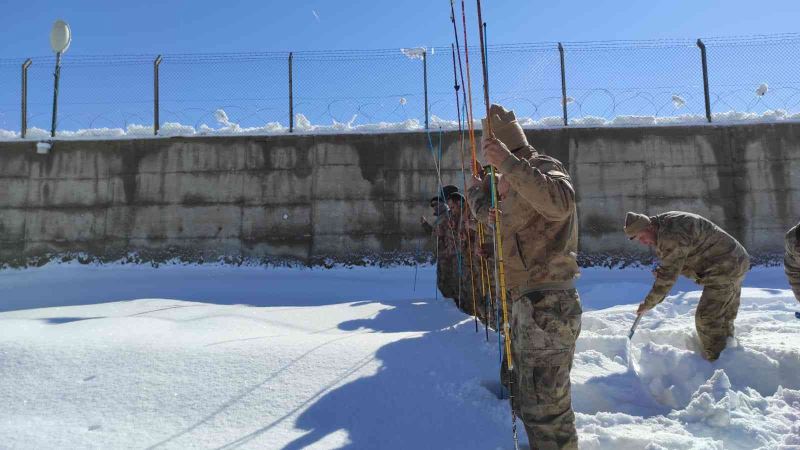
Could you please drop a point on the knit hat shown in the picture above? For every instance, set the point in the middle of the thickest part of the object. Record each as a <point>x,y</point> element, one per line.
<point>634,223</point>
<point>505,128</point>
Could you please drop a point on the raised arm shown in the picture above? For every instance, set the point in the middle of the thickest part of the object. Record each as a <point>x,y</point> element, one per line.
<point>547,189</point>
<point>479,197</point>
<point>550,192</point>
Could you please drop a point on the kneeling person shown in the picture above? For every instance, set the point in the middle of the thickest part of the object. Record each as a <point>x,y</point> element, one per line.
<point>695,247</point>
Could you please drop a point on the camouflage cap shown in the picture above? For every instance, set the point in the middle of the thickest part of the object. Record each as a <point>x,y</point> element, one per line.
<point>456,196</point>
<point>506,128</point>
<point>634,223</point>
<point>445,191</point>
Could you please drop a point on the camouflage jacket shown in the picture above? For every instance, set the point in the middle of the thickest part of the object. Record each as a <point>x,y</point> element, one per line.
<point>448,231</point>
<point>791,260</point>
<point>441,234</point>
<point>538,224</point>
<point>693,246</point>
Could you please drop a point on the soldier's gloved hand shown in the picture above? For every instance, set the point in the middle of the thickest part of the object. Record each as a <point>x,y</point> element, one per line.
<point>642,309</point>
<point>494,213</point>
<point>495,152</point>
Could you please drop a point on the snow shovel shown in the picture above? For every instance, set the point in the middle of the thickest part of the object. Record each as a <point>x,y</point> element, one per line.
<point>636,324</point>
<point>632,364</point>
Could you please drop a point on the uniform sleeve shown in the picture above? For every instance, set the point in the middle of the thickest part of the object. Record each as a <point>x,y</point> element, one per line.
<point>440,229</point>
<point>472,223</point>
<point>551,195</point>
<point>480,200</point>
<point>791,263</point>
<point>674,257</point>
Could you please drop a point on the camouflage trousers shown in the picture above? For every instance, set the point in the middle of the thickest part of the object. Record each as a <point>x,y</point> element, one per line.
<point>447,277</point>
<point>474,291</point>
<point>716,312</point>
<point>544,328</point>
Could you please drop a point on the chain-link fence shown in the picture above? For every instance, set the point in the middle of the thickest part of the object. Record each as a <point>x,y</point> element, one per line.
<point>601,83</point>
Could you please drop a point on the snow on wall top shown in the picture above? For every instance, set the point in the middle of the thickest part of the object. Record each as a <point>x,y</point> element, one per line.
<point>304,126</point>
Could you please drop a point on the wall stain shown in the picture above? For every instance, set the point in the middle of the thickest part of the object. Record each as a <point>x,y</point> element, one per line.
<point>728,149</point>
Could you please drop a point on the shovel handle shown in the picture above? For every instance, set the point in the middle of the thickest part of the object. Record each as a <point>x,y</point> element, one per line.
<point>635,324</point>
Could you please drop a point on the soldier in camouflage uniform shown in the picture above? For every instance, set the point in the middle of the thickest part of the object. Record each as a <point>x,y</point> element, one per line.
<point>441,232</point>
<point>472,299</point>
<point>483,260</point>
<point>539,231</point>
<point>695,247</point>
<point>450,250</point>
<point>791,260</point>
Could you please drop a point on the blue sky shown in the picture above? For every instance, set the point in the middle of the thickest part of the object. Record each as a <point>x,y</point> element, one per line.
<point>168,26</point>
<point>605,83</point>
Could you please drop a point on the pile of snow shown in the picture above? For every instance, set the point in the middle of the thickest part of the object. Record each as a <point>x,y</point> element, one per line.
<point>302,125</point>
<point>685,119</point>
<point>253,357</point>
<point>5,134</point>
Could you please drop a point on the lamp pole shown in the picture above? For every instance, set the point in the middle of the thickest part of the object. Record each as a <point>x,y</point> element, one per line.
<point>60,38</point>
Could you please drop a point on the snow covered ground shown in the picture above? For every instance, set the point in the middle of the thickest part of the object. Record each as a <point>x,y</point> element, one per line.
<point>126,356</point>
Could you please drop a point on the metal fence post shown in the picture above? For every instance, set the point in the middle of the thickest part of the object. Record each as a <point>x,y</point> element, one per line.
<point>24,121</point>
<point>425,83</point>
<point>156,120</point>
<point>705,78</point>
<point>291,95</point>
<point>563,84</point>
<point>56,76</point>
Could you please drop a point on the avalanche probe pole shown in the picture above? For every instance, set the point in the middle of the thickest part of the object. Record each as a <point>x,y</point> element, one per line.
<point>497,236</point>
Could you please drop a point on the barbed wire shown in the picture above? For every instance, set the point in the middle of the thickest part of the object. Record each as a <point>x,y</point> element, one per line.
<point>657,78</point>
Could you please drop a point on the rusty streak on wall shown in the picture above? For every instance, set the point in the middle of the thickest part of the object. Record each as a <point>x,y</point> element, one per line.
<point>344,197</point>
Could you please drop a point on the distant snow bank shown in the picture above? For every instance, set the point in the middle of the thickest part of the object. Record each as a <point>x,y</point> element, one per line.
<point>304,126</point>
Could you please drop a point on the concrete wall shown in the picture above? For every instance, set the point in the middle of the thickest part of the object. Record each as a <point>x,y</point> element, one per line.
<point>344,197</point>
<point>744,178</point>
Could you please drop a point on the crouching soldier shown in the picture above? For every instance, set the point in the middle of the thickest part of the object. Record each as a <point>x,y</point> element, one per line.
<point>791,260</point>
<point>539,233</point>
<point>692,245</point>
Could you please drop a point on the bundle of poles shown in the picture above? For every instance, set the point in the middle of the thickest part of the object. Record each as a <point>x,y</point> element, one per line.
<point>475,169</point>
